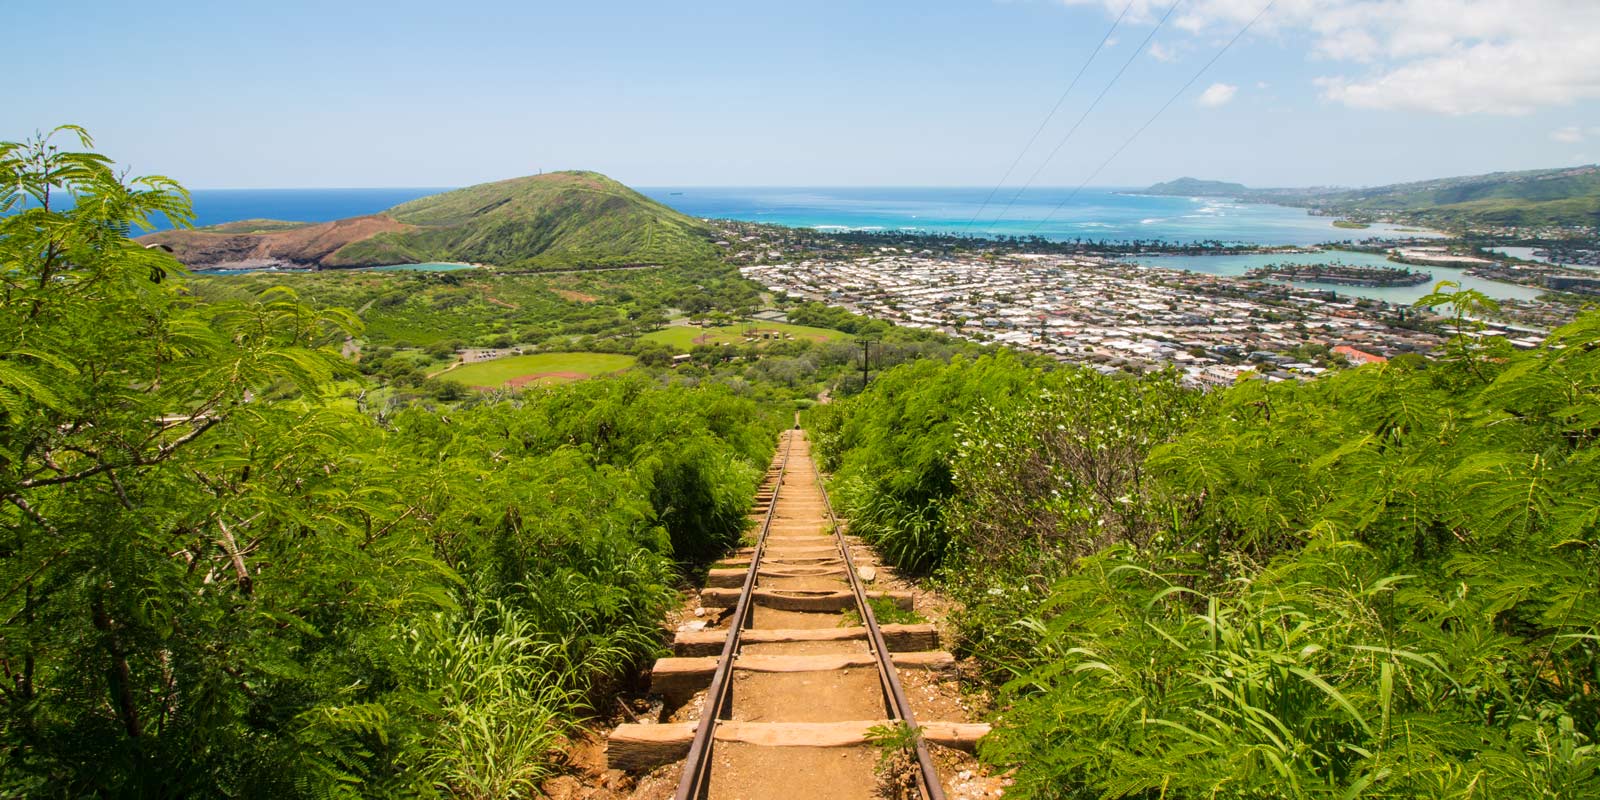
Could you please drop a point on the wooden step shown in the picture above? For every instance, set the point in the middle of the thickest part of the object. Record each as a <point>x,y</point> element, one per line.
<point>899,638</point>
<point>798,599</point>
<point>798,549</point>
<point>639,747</point>
<point>677,679</point>
<point>734,578</point>
<point>744,563</point>
<point>726,577</point>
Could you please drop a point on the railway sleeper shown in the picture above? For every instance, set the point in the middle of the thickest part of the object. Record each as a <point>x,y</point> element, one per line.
<point>743,564</point>
<point>799,599</point>
<point>899,638</point>
<point>677,679</point>
<point>636,747</point>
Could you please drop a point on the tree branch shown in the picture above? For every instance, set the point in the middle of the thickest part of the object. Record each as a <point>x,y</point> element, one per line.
<point>22,503</point>
<point>231,547</point>
<point>161,455</point>
<point>120,678</point>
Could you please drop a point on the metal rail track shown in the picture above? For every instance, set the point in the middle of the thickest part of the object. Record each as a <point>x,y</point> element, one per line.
<point>899,706</point>
<point>695,782</point>
<point>697,769</point>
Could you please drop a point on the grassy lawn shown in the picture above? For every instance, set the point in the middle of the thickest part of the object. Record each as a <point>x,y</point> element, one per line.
<point>684,337</point>
<point>538,368</point>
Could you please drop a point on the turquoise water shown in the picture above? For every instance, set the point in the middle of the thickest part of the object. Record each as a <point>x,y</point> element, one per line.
<point>1093,214</point>
<point>1059,214</point>
<point>1527,254</point>
<point>1240,264</point>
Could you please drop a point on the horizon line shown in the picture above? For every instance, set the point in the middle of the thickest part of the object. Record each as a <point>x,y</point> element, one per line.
<point>667,186</point>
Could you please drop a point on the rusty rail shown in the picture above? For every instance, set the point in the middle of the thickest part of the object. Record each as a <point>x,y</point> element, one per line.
<point>697,769</point>
<point>899,706</point>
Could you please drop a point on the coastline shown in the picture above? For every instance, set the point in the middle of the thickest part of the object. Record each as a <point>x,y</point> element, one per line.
<point>1099,214</point>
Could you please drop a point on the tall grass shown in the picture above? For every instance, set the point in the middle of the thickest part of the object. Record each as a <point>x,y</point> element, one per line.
<point>505,695</point>
<point>1299,680</point>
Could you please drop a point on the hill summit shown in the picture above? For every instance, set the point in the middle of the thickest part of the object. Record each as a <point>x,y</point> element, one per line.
<point>557,219</point>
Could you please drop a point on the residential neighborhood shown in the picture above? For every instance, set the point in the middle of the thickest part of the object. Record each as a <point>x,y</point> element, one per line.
<point>1114,315</point>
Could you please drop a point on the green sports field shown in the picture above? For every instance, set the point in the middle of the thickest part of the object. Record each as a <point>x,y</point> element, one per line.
<point>515,371</point>
<point>684,337</point>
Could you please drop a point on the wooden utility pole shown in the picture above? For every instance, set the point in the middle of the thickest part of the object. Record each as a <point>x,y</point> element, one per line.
<point>866,355</point>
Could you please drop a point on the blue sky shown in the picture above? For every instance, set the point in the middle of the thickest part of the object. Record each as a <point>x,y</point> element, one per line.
<point>888,92</point>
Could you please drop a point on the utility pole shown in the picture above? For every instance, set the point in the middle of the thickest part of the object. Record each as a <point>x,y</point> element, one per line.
<point>866,355</point>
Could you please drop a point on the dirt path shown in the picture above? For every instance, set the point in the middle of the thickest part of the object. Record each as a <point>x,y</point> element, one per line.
<point>458,362</point>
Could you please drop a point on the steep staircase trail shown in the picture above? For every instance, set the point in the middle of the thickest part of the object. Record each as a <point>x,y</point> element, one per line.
<point>798,671</point>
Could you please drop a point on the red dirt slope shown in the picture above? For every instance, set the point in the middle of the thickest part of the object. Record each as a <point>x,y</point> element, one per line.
<point>304,245</point>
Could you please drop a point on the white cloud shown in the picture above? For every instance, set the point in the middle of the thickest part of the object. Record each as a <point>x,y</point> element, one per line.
<point>1217,94</point>
<point>1160,53</point>
<point>1574,134</point>
<point>1571,134</point>
<point>1442,56</point>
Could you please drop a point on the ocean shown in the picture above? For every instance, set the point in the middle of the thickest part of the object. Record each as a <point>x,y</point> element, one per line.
<point>1095,214</point>
<point>216,206</point>
<point>1401,295</point>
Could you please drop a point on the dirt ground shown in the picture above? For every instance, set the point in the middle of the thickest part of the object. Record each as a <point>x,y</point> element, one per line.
<point>306,244</point>
<point>523,380</point>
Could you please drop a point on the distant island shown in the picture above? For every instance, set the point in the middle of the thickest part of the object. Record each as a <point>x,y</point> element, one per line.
<point>1194,187</point>
<point>1341,274</point>
<point>554,220</point>
<point>1568,197</point>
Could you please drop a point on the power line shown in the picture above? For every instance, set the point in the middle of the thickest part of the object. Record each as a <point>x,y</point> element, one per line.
<point>1155,116</point>
<point>1091,108</point>
<point>1052,115</point>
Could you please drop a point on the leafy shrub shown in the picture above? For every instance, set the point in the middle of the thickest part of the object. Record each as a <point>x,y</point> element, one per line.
<point>1318,676</point>
<point>217,579</point>
<point>1379,583</point>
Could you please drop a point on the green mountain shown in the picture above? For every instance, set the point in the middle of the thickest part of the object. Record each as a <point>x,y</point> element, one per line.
<point>1193,187</point>
<point>1547,197</point>
<point>1568,197</point>
<point>559,219</point>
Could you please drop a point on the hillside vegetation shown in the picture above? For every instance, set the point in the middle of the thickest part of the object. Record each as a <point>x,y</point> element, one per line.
<point>559,219</point>
<point>221,577</point>
<point>1567,197</point>
<point>1377,584</point>
<point>1552,197</point>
